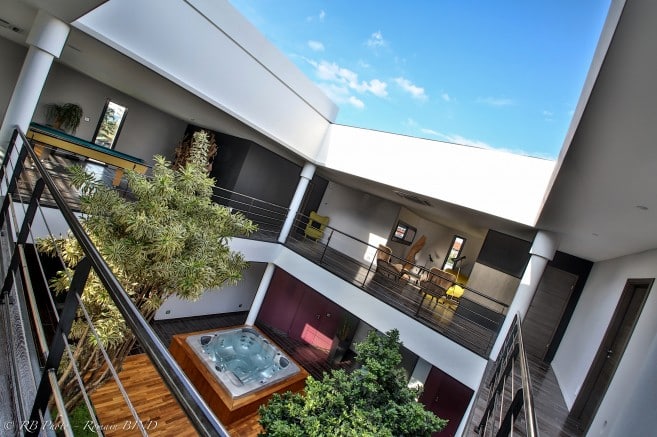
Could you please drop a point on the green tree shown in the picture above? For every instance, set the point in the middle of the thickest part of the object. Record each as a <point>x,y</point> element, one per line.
<point>168,238</point>
<point>373,400</point>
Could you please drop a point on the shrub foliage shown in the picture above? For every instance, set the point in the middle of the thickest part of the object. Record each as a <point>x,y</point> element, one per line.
<point>373,400</point>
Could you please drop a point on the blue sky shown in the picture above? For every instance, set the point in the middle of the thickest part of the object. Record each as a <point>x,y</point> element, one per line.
<point>499,74</point>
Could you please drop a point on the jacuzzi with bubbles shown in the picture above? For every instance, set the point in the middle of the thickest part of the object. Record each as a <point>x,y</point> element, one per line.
<point>242,359</point>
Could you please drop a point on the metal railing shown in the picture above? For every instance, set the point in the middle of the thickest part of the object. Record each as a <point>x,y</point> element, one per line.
<point>473,323</point>
<point>510,408</point>
<point>44,354</point>
<point>466,321</point>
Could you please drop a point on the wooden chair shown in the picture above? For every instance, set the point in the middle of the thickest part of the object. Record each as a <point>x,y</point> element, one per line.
<point>437,283</point>
<point>384,264</point>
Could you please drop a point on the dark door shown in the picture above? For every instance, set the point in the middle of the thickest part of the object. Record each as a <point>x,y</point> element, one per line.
<point>446,398</point>
<point>281,302</point>
<point>611,350</point>
<point>546,309</point>
<point>316,320</point>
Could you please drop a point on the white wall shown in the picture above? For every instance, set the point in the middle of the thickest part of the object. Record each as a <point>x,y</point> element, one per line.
<point>453,359</point>
<point>212,51</point>
<point>146,131</point>
<point>498,183</point>
<point>587,328</point>
<point>438,242</point>
<point>360,215</point>
<point>218,300</point>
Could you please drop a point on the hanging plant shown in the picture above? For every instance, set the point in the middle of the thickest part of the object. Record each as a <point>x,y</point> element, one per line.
<point>65,117</point>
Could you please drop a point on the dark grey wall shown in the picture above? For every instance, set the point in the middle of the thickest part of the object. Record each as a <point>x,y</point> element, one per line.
<point>268,177</point>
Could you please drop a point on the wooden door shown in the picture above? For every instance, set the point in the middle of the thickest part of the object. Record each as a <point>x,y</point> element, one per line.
<point>546,310</point>
<point>446,398</point>
<point>611,350</point>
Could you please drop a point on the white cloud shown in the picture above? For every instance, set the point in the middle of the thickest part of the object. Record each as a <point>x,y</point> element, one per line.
<point>496,101</point>
<point>316,46</point>
<point>341,95</point>
<point>415,91</point>
<point>456,139</point>
<point>319,17</point>
<point>377,87</point>
<point>410,122</point>
<point>430,132</point>
<point>356,102</point>
<point>548,115</point>
<point>446,97</point>
<point>376,40</point>
<point>332,72</point>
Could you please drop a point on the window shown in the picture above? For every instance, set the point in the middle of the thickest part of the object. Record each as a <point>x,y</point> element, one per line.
<point>454,255</point>
<point>403,233</point>
<point>109,125</point>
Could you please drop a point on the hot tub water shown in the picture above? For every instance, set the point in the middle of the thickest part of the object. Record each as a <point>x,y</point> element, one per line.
<point>242,359</point>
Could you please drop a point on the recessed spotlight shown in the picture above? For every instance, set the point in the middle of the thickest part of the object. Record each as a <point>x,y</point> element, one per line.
<point>642,207</point>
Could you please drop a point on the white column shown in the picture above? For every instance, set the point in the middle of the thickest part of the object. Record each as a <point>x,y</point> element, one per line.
<point>260,294</point>
<point>420,373</point>
<point>542,251</point>
<point>46,40</point>
<point>306,175</point>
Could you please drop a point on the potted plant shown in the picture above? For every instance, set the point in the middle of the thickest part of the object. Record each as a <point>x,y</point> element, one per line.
<point>342,338</point>
<point>65,117</point>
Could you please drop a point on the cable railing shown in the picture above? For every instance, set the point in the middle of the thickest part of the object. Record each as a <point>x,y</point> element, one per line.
<point>510,407</point>
<point>473,320</point>
<point>34,351</point>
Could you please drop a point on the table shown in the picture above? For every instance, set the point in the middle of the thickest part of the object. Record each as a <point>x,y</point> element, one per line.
<point>413,278</point>
<point>42,136</point>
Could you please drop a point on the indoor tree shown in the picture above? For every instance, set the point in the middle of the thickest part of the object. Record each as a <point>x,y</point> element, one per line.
<point>168,238</point>
<point>373,400</point>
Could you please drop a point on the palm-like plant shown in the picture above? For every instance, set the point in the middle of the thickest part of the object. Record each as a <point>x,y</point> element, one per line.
<point>171,239</point>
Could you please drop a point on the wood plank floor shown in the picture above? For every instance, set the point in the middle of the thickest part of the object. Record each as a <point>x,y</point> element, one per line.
<point>151,397</point>
<point>156,407</point>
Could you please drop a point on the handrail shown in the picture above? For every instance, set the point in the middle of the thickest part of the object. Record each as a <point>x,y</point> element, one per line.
<point>473,324</point>
<point>189,399</point>
<point>498,419</point>
<point>332,230</point>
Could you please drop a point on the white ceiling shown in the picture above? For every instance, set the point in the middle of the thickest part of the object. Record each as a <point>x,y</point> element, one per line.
<point>604,201</point>
<point>607,176</point>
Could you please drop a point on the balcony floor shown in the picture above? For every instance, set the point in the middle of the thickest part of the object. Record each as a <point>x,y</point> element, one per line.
<point>549,405</point>
<point>468,323</point>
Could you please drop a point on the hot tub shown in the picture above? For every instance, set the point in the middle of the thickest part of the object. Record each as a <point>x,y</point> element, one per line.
<point>243,359</point>
<point>236,369</point>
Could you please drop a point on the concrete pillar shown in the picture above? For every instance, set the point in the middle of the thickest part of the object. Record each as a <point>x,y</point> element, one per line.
<point>260,294</point>
<point>420,373</point>
<point>46,40</point>
<point>542,251</point>
<point>306,175</point>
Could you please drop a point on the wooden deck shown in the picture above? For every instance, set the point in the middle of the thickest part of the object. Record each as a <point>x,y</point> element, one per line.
<point>157,409</point>
<point>152,399</point>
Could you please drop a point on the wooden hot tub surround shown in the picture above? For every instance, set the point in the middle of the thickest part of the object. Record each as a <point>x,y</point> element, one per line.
<point>224,406</point>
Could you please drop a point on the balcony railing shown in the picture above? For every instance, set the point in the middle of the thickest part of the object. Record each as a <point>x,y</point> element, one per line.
<point>473,323</point>
<point>473,320</point>
<point>510,407</point>
<point>39,349</point>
